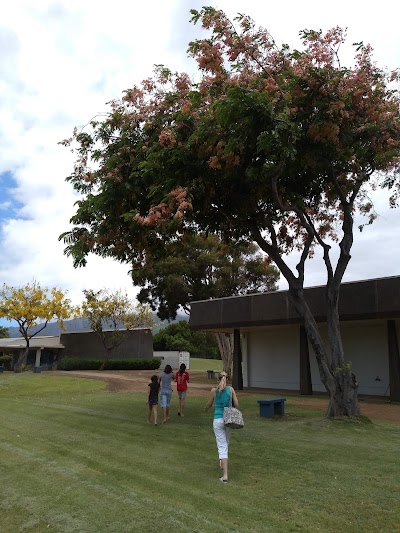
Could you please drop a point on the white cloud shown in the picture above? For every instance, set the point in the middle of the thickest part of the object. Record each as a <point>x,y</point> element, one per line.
<point>62,61</point>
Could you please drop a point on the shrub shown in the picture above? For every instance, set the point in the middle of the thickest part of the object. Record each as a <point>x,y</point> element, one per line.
<point>132,364</point>
<point>74,363</point>
<point>5,360</point>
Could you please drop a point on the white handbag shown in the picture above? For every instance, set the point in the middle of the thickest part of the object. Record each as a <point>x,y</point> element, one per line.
<point>233,418</point>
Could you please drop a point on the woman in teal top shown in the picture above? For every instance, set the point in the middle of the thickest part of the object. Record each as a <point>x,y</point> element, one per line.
<point>221,395</point>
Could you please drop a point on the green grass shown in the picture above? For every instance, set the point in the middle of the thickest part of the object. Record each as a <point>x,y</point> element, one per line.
<point>76,458</point>
<point>205,364</point>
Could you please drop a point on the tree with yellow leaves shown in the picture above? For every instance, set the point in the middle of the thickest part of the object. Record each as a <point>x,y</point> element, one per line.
<point>31,304</point>
<point>110,313</point>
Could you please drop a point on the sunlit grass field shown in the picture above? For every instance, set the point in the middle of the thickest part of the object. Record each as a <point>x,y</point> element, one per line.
<point>205,364</point>
<point>77,458</point>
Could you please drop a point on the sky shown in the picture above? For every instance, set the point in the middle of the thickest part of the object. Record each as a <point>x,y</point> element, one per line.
<point>62,61</point>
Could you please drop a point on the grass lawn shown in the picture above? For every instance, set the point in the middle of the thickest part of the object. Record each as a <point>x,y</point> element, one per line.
<point>205,364</point>
<point>77,458</point>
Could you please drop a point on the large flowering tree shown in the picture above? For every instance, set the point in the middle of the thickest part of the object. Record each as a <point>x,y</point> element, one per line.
<point>271,145</point>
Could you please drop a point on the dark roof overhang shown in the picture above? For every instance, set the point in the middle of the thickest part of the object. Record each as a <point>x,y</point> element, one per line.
<point>360,300</point>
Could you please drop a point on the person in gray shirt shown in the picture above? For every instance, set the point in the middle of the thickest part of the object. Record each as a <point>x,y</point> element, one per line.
<point>165,380</point>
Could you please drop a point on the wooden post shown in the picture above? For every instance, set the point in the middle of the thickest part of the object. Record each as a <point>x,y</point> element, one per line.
<point>394,361</point>
<point>237,378</point>
<point>305,372</point>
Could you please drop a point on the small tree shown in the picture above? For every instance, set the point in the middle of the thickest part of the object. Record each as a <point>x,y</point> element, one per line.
<point>30,305</point>
<point>110,312</point>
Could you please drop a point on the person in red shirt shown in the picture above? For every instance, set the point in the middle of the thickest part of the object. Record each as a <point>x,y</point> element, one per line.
<point>182,379</point>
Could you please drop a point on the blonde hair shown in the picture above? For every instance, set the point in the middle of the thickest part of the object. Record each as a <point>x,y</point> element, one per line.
<point>222,381</point>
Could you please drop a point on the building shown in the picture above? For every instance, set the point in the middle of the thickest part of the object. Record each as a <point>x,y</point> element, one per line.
<point>138,343</point>
<point>273,345</point>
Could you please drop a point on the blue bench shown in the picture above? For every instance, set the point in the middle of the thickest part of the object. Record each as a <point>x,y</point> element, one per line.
<point>274,407</point>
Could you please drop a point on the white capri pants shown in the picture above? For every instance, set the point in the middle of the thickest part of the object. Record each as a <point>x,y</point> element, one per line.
<point>222,436</point>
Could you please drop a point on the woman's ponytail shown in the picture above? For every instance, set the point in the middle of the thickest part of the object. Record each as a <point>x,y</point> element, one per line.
<point>222,381</point>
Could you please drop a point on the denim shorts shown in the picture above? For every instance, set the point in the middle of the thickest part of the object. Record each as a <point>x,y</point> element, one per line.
<point>165,398</point>
<point>182,394</point>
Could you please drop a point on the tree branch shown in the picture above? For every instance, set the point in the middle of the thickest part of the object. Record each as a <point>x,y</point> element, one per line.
<point>325,247</point>
<point>274,254</point>
<point>305,223</point>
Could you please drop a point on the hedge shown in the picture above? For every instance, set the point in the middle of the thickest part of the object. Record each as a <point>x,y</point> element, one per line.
<point>74,363</point>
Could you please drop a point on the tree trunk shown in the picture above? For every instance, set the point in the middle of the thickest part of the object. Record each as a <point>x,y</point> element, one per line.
<point>336,374</point>
<point>22,359</point>
<point>225,345</point>
<point>343,400</point>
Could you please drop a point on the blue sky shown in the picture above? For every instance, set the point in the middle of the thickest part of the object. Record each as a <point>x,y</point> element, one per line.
<point>8,203</point>
<point>61,62</point>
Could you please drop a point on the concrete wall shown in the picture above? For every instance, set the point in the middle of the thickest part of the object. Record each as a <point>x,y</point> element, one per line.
<point>271,357</point>
<point>173,358</point>
<point>138,344</point>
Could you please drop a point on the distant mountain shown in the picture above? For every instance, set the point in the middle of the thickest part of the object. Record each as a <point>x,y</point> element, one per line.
<point>53,329</point>
<point>81,324</point>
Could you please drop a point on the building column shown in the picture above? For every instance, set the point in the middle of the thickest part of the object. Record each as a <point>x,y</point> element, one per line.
<point>305,372</point>
<point>245,359</point>
<point>38,356</point>
<point>394,361</point>
<point>237,378</point>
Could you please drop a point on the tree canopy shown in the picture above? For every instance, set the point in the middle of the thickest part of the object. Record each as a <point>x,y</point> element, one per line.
<point>199,267</point>
<point>272,145</point>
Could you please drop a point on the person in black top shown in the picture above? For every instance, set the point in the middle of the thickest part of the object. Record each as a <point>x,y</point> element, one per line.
<point>153,399</point>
